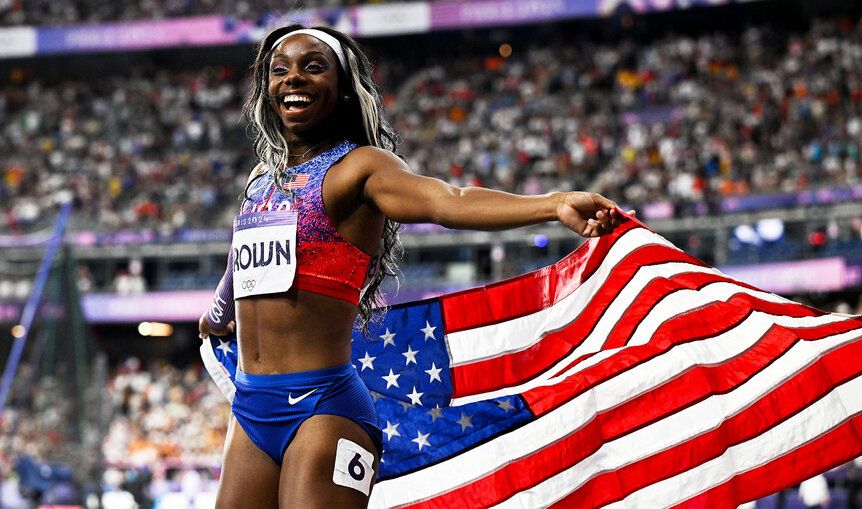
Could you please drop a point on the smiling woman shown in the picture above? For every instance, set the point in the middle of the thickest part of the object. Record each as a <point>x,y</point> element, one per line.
<point>299,105</point>
<point>316,234</point>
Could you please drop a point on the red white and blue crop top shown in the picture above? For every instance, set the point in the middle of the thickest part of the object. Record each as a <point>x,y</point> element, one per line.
<point>325,262</point>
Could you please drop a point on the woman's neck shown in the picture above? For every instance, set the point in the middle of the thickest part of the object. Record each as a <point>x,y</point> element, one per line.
<point>301,150</point>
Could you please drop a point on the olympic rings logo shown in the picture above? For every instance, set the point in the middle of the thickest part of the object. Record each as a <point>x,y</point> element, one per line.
<point>248,284</point>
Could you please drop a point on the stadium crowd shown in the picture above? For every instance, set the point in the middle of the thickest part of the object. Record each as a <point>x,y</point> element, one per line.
<point>163,442</point>
<point>70,12</point>
<point>684,119</point>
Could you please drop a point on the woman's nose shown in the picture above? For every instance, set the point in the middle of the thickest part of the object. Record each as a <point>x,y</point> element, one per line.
<point>294,75</point>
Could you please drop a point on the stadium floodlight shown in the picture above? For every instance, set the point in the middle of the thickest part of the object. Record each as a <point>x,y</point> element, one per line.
<point>155,329</point>
<point>746,234</point>
<point>771,229</point>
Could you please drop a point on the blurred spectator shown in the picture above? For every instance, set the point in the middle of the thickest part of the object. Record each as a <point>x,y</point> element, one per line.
<point>814,492</point>
<point>131,282</point>
<point>84,280</point>
<point>66,12</point>
<point>166,429</point>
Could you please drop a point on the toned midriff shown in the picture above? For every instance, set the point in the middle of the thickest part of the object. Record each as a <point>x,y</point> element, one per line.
<point>293,331</point>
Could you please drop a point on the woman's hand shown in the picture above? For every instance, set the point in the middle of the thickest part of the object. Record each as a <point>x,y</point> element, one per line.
<point>206,329</point>
<point>589,214</point>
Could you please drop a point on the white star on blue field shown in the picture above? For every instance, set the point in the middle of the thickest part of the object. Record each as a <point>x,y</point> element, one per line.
<point>405,364</point>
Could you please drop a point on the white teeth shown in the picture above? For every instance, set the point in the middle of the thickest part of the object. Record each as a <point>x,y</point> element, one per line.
<point>293,98</point>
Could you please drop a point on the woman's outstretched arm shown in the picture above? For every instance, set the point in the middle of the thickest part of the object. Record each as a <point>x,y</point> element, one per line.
<point>409,198</point>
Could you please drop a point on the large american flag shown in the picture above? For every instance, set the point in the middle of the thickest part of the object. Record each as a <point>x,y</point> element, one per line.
<point>629,374</point>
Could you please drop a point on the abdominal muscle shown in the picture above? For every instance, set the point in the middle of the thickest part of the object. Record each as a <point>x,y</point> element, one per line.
<point>292,332</point>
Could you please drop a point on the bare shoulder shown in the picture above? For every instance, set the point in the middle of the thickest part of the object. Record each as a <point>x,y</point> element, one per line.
<point>368,160</point>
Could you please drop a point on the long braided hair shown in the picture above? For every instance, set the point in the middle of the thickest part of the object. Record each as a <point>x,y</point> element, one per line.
<point>363,123</point>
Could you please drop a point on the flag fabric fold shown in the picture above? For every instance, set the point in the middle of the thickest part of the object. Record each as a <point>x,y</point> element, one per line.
<point>629,374</point>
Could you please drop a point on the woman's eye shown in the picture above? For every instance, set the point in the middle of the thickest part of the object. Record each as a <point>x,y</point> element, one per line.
<point>278,69</point>
<point>317,66</point>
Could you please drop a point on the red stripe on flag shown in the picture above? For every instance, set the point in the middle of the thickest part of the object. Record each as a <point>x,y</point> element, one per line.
<point>530,292</point>
<point>696,280</point>
<point>783,401</point>
<point>826,452</point>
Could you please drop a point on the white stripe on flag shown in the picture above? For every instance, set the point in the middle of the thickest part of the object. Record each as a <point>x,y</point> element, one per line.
<point>806,426</point>
<point>217,370</point>
<point>520,333</point>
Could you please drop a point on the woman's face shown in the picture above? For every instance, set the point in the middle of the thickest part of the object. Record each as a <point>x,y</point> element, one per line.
<point>303,84</point>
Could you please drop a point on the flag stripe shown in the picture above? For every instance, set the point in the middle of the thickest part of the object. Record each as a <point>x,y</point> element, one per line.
<point>531,343</point>
<point>531,292</point>
<point>813,422</point>
<point>705,323</point>
<point>675,304</point>
<point>676,395</point>
<point>823,453</point>
<point>552,339</point>
<point>696,281</point>
<point>787,400</point>
<point>565,419</point>
<point>486,341</point>
<point>677,456</point>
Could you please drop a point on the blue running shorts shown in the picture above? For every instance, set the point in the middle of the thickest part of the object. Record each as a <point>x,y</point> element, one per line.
<point>270,408</point>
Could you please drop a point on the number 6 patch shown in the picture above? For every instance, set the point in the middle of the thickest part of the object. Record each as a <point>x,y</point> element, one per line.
<point>353,466</point>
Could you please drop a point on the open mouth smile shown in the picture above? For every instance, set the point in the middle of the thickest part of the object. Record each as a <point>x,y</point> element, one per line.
<point>295,103</point>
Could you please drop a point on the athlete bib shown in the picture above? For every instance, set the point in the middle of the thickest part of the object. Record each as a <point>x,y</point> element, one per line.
<point>264,252</point>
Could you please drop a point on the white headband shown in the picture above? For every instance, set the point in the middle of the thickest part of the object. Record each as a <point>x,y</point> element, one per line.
<point>323,37</point>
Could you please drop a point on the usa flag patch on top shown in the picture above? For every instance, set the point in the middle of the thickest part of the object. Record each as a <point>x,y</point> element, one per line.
<point>296,181</point>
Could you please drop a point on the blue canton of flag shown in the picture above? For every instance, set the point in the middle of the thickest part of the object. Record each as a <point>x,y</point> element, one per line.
<point>405,363</point>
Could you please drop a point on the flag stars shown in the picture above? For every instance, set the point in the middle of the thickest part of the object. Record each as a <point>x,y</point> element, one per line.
<point>414,397</point>
<point>391,379</point>
<point>429,331</point>
<point>421,440</point>
<point>435,413</point>
<point>505,405</point>
<point>367,362</point>
<point>388,338</point>
<point>434,373</point>
<point>411,355</point>
<point>391,430</point>
<point>224,346</point>
<point>465,421</point>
